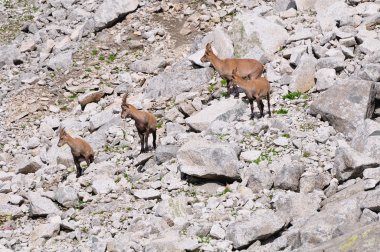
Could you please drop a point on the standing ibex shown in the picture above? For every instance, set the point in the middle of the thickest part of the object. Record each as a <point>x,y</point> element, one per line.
<point>250,68</point>
<point>80,149</point>
<point>254,89</point>
<point>145,123</point>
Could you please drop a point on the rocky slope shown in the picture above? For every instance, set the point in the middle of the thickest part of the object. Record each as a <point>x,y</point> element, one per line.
<point>306,179</point>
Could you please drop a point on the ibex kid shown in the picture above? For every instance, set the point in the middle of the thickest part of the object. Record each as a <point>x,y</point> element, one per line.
<point>145,123</point>
<point>80,149</point>
<point>250,68</point>
<point>254,89</point>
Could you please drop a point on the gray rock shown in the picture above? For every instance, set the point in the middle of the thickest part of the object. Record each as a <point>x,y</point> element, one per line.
<point>325,79</point>
<point>369,46</point>
<point>372,177</point>
<point>41,206</point>
<point>66,196</point>
<point>29,78</point>
<point>28,45</point>
<point>221,42</point>
<point>367,139</point>
<point>111,11</point>
<point>15,199</point>
<point>311,181</point>
<point>283,5</point>
<point>45,231</point>
<point>147,194</point>
<point>336,63</point>
<point>224,110</point>
<point>204,159</point>
<point>61,61</point>
<point>25,165</point>
<point>349,163</point>
<point>302,35</point>
<point>332,188</point>
<point>371,201</point>
<point>102,118</point>
<point>165,153</point>
<point>172,83</point>
<point>363,239</point>
<point>288,176</point>
<point>172,208</point>
<point>217,231</point>
<point>295,206</point>
<point>281,141</point>
<point>303,76</point>
<point>195,58</point>
<point>103,185</point>
<point>332,220</point>
<point>261,224</point>
<point>368,217</point>
<point>303,5</point>
<point>148,66</point>
<point>328,13</point>
<point>259,178</point>
<point>186,109</point>
<point>250,155</point>
<point>346,106</point>
<point>255,31</point>
<point>9,55</point>
<point>371,72</point>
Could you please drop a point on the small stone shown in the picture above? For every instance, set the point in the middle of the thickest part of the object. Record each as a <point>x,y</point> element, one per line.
<point>147,194</point>
<point>250,155</point>
<point>281,141</point>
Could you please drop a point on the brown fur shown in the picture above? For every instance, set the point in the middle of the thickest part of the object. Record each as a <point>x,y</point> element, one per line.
<point>250,68</point>
<point>254,89</point>
<point>145,123</point>
<point>80,149</point>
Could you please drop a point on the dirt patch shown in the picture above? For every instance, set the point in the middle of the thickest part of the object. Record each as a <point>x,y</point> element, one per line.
<point>173,27</point>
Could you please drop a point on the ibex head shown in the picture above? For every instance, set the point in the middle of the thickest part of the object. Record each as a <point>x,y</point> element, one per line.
<point>208,53</point>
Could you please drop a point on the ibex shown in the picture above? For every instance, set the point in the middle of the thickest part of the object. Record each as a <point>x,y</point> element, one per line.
<point>250,68</point>
<point>80,149</point>
<point>254,89</point>
<point>145,123</point>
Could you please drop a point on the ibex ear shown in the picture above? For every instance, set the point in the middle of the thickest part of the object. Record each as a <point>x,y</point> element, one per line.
<point>124,100</point>
<point>208,46</point>
<point>234,71</point>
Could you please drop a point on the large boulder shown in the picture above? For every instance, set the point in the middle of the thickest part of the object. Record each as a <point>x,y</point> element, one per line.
<point>204,159</point>
<point>41,206</point>
<point>25,165</point>
<point>330,12</point>
<point>261,224</point>
<point>111,11</point>
<point>296,206</point>
<point>250,31</point>
<point>346,105</point>
<point>350,163</point>
<point>172,83</point>
<point>226,110</point>
<point>221,42</point>
<point>332,220</point>
<point>364,239</point>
